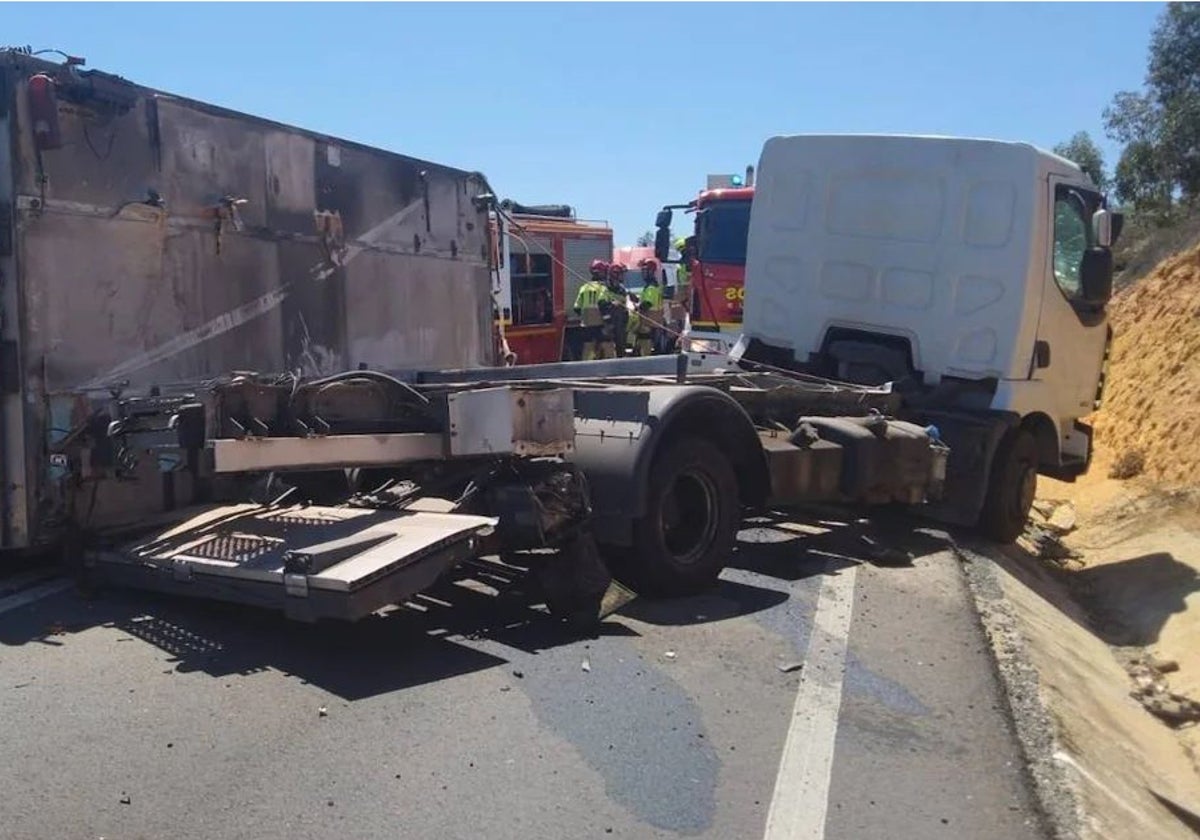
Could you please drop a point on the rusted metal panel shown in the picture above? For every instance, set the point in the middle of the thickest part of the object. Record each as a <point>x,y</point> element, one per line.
<point>409,316</point>
<point>206,157</point>
<point>400,212</point>
<point>105,154</point>
<point>167,240</point>
<point>253,341</point>
<point>14,498</point>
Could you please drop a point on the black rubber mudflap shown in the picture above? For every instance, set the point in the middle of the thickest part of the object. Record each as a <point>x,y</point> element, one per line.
<point>575,581</point>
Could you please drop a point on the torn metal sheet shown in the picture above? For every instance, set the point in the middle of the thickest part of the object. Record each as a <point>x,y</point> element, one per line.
<point>310,561</point>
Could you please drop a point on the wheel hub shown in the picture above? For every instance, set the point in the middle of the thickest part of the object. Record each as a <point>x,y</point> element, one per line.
<point>689,516</point>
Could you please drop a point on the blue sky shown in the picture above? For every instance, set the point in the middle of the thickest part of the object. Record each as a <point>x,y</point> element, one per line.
<point>619,108</point>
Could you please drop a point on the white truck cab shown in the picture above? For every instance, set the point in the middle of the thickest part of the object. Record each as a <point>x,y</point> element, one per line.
<point>972,274</point>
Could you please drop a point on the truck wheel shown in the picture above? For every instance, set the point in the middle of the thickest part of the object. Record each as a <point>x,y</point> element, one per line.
<point>691,522</point>
<point>1012,487</point>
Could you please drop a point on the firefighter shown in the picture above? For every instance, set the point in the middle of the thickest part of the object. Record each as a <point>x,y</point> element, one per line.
<point>650,303</point>
<point>616,316</point>
<point>588,307</point>
<point>683,269</point>
<point>642,330</point>
<point>681,301</point>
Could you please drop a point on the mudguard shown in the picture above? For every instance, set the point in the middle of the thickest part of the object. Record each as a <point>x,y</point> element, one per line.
<point>973,439</point>
<point>619,432</point>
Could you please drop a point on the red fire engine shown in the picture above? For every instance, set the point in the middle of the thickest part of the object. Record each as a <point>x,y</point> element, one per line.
<point>717,267</point>
<point>542,255</point>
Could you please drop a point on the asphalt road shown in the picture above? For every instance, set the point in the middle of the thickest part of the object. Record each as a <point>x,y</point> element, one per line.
<point>812,694</point>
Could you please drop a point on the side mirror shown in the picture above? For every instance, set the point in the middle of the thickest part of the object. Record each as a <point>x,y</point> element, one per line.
<point>662,244</point>
<point>663,219</point>
<point>1102,228</point>
<point>1096,276</point>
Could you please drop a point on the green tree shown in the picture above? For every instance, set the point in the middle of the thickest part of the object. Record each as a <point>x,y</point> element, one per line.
<point>1082,151</point>
<point>646,240</point>
<point>1132,117</point>
<point>1139,178</point>
<point>1174,82</point>
<point>1161,126</point>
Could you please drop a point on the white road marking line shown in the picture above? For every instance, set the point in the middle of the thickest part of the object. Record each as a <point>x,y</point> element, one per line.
<point>22,580</point>
<point>801,796</point>
<point>36,593</point>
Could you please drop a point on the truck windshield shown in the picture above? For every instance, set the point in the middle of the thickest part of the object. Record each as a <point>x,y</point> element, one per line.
<point>724,228</point>
<point>1072,236</point>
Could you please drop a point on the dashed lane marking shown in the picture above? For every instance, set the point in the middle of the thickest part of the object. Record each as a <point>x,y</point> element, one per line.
<point>34,593</point>
<point>801,796</point>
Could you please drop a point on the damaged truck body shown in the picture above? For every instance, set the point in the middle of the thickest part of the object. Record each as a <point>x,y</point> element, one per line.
<point>251,363</point>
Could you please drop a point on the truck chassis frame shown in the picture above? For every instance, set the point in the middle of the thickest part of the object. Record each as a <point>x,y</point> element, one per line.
<point>335,497</point>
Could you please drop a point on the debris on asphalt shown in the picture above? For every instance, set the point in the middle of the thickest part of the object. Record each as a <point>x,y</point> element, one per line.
<point>615,597</point>
<point>1064,518</point>
<point>125,800</point>
<point>1146,679</point>
<point>322,712</point>
<point>890,556</point>
<point>670,654</point>
<point>789,667</point>
<point>1049,522</point>
<point>1044,543</point>
<point>1153,692</point>
<point>1045,507</point>
<point>586,665</point>
<point>1164,666</point>
<point>506,688</point>
<point>1173,709</point>
<point>519,675</point>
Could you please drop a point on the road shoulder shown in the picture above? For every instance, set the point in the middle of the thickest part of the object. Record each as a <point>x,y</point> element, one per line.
<point>1100,765</point>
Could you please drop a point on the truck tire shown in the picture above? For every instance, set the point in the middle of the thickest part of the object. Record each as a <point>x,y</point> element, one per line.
<point>687,535</point>
<point>1011,488</point>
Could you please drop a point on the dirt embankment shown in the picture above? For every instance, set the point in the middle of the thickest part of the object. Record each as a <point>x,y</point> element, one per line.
<point>1149,426</point>
<point>1107,586</point>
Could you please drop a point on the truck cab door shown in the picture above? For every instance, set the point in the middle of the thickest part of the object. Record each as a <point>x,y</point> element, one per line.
<point>1073,334</point>
<point>502,273</point>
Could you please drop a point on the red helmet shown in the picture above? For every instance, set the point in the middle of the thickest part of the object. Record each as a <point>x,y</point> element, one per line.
<point>616,269</point>
<point>599,266</point>
<point>649,263</point>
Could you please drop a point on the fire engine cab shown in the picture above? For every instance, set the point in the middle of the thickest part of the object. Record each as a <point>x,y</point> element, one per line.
<point>542,258</point>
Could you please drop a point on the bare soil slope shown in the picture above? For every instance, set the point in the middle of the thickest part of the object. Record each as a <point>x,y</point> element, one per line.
<point>1111,612</point>
<point>1151,410</point>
